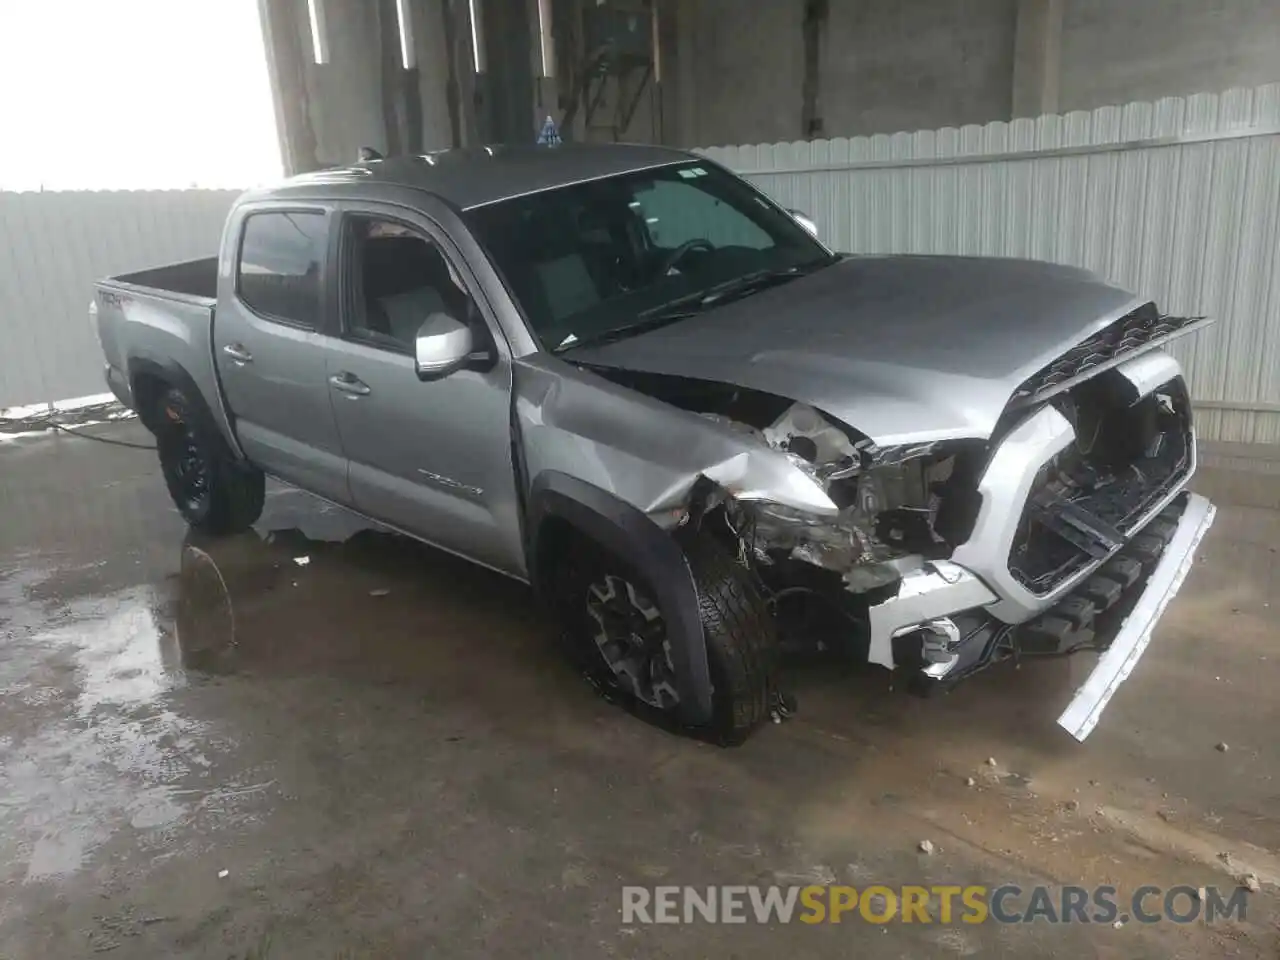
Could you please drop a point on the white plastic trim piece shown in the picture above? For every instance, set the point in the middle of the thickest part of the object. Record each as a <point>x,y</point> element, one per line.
<point>1114,666</point>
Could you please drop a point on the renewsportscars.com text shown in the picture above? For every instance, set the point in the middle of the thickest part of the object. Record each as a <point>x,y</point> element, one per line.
<point>879,904</point>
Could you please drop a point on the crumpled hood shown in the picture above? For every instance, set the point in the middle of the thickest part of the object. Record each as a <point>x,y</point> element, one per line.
<point>904,348</point>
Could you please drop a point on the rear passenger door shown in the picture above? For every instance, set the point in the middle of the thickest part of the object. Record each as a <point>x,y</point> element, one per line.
<point>274,301</point>
<point>430,457</point>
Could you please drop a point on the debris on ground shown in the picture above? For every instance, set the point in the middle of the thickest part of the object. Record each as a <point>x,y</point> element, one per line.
<point>991,762</point>
<point>1202,894</point>
<point>302,561</point>
<point>783,706</point>
<point>1071,805</point>
<point>817,875</point>
<point>1166,815</point>
<point>223,874</point>
<point>1222,748</point>
<point>926,847</point>
<point>969,782</point>
<point>1251,882</point>
<point>380,592</point>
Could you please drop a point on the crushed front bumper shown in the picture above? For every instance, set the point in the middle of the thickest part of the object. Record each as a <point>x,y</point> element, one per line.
<point>950,619</point>
<point>942,621</point>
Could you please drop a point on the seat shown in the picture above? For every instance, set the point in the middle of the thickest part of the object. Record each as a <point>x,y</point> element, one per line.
<point>406,279</point>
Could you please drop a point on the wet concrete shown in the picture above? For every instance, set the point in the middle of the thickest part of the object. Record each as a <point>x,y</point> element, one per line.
<point>385,754</point>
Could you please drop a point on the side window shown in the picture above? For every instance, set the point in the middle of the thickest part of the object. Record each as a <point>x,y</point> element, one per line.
<point>677,212</point>
<point>280,264</point>
<point>397,278</point>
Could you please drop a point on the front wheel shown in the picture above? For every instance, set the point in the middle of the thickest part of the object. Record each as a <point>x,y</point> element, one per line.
<point>214,492</point>
<point>618,635</point>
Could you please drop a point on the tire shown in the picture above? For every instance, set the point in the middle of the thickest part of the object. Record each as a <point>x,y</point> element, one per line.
<point>737,625</point>
<point>215,493</point>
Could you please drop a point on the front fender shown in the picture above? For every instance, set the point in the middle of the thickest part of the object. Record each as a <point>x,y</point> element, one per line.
<point>626,531</point>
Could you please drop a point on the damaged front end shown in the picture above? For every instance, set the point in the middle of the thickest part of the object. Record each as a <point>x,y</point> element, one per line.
<point>841,579</point>
<point>844,531</point>
<point>1067,530</point>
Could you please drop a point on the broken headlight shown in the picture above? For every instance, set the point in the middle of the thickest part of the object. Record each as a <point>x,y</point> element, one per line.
<point>887,500</point>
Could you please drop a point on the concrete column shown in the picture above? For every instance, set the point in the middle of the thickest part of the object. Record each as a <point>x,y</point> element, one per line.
<point>1037,57</point>
<point>288,47</point>
<point>684,96</point>
<point>363,96</point>
<point>666,124</point>
<point>507,82</point>
<point>442,121</point>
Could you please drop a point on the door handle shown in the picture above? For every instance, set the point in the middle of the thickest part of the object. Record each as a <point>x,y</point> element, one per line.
<point>350,384</point>
<point>238,353</point>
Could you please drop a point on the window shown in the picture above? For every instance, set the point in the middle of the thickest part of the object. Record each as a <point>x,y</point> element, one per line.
<point>592,259</point>
<point>676,212</point>
<point>281,257</point>
<point>399,278</point>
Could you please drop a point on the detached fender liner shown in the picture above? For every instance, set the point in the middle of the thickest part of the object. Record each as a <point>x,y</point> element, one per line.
<point>622,529</point>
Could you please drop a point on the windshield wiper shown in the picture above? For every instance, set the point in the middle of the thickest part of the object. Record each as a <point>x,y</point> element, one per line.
<point>734,289</point>
<point>692,304</point>
<point>572,342</point>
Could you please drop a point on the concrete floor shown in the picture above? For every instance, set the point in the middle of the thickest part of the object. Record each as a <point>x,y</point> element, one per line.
<point>416,773</point>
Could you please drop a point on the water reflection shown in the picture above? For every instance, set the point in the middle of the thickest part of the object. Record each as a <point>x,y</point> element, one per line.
<point>363,602</point>
<point>92,741</point>
<point>205,625</point>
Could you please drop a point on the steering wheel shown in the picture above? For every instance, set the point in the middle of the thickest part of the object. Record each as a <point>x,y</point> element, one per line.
<point>678,254</point>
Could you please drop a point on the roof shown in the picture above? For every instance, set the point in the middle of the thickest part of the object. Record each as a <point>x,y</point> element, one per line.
<point>478,175</point>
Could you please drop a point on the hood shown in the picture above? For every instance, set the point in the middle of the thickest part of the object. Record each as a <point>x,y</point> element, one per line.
<point>904,349</point>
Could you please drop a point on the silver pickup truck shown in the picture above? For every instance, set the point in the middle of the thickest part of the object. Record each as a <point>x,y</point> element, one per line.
<point>623,375</point>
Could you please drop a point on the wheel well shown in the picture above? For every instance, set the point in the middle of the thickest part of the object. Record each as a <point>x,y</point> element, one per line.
<point>555,536</point>
<point>148,388</point>
<point>566,507</point>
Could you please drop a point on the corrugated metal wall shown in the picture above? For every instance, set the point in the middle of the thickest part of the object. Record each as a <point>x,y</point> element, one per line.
<point>54,245</point>
<point>1179,200</point>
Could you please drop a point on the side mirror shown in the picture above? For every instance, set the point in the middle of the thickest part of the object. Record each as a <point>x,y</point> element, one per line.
<point>805,221</point>
<point>443,346</point>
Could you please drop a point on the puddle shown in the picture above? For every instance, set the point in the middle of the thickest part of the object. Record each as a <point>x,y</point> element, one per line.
<point>113,721</point>
<point>94,739</point>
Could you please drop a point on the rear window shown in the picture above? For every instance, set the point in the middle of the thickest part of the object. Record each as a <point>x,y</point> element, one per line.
<point>279,271</point>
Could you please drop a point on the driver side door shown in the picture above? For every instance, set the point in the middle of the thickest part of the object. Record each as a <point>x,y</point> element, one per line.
<point>432,458</point>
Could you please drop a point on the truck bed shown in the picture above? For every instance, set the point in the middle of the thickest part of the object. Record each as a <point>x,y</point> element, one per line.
<point>191,278</point>
<point>162,320</point>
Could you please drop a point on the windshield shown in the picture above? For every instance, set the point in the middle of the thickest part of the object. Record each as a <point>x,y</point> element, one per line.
<point>592,260</point>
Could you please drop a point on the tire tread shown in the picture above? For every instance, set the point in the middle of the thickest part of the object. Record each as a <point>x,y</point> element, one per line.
<point>741,640</point>
<point>237,490</point>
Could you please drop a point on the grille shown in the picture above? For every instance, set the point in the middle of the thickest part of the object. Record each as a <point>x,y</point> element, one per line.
<point>1141,328</point>
<point>1088,500</point>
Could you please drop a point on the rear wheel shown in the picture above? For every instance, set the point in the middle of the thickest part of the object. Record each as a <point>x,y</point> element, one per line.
<point>618,635</point>
<point>214,492</point>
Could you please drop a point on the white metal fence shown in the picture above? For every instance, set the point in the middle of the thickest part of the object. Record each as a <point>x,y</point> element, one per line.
<point>54,245</point>
<point>1178,200</point>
